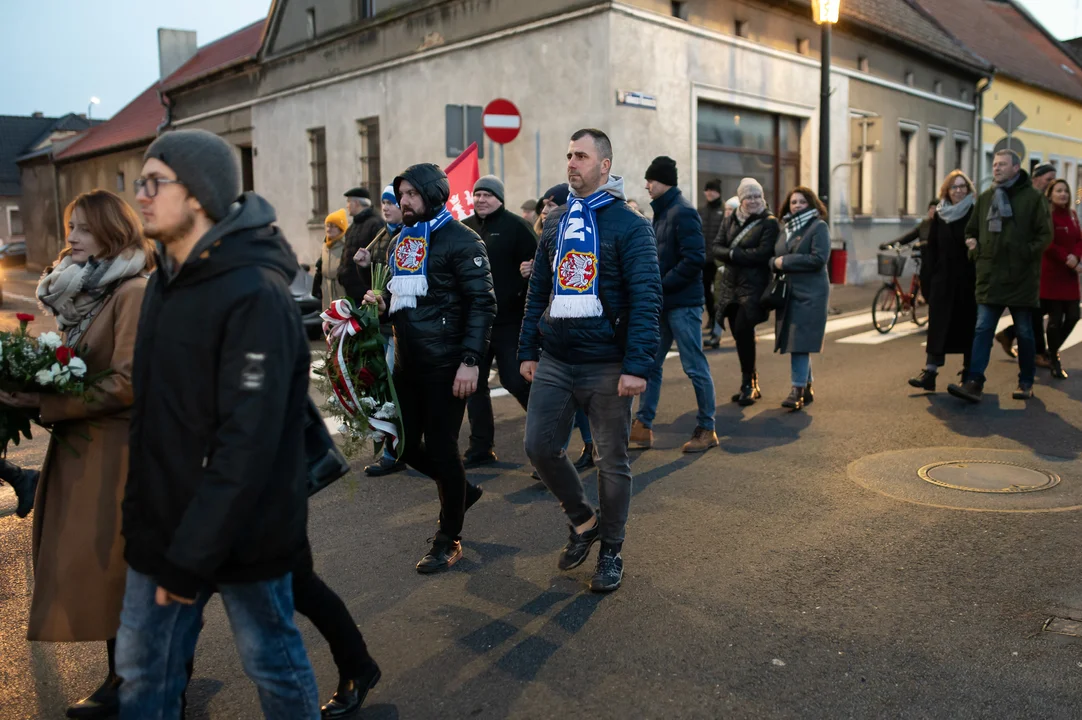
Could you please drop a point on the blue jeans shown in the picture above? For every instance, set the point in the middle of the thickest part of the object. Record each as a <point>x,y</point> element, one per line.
<point>684,325</point>
<point>987,318</point>
<point>154,644</point>
<point>800,369</point>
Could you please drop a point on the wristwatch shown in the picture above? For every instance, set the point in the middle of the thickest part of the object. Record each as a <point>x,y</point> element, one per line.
<point>470,361</point>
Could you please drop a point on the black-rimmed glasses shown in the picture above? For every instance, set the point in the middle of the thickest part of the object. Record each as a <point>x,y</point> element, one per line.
<point>149,185</point>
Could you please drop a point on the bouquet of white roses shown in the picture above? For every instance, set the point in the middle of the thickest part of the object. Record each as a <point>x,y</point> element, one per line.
<point>41,364</point>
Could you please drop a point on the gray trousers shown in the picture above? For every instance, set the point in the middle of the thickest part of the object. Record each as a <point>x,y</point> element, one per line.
<point>558,388</point>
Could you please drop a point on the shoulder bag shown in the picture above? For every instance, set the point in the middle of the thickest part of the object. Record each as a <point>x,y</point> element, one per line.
<point>325,461</point>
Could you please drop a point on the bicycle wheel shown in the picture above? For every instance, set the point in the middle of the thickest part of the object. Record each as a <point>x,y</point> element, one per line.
<point>885,308</point>
<point>919,307</point>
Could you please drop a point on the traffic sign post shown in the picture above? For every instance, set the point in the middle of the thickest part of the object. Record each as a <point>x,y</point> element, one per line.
<point>502,123</point>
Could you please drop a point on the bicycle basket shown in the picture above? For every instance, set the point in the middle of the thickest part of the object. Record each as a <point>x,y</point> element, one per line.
<point>891,264</point>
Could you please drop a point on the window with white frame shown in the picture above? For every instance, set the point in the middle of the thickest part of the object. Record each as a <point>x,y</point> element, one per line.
<point>317,162</point>
<point>937,140</point>
<point>907,169</point>
<point>961,159</point>
<point>368,160</point>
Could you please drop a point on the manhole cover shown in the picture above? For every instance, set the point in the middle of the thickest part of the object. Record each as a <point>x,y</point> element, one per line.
<point>987,476</point>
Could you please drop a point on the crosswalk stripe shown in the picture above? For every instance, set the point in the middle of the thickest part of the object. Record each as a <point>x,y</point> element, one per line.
<point>838,324</point>
<point>874,337</point>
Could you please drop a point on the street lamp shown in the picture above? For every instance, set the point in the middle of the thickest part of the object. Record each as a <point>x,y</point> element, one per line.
<point>93,101</point>
<point>825,12</point>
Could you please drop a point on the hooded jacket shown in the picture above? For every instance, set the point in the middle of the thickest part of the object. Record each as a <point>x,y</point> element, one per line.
<point>454,320</point>
<point>354,279</point>
<point>216,490</point>
<point>630,290</point>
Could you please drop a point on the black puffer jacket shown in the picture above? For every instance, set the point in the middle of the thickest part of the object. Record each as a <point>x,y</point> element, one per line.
<point>217,489</point>
<point>748,264</point>
<point>630,286</point>
<point>455,318</point>
<point>510,242</point>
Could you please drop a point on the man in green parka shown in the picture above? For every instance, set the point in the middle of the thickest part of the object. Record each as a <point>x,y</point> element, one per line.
<point>1006,235</point>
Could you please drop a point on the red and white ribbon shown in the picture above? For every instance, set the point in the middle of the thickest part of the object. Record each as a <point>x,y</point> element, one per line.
<point>338,320</point>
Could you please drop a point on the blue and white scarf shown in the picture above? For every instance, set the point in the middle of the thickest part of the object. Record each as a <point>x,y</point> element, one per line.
<point>409,262</point>
<point>578,247</point>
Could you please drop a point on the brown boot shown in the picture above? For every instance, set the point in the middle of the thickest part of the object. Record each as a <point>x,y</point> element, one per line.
<point>642,437</point>
<point>701,441</point>
<point>1006,341</point>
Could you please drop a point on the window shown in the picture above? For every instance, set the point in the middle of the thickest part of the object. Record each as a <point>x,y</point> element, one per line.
<point>1034,161</point>
<point>909,79</point>
<point>366,8</point>
<point>368,132</point>
<point>866,139</point>
<point>803,46</point>
<point>735,143</point>
<point>862,63</point>
<point>120,182</point>
<point>247,168</point>
<point>742,28</point>
<point>311,15</point>
<point>317,153</point>
<point>965,95</point>
<point>463,123</point>
<point>961,153</point>
<point>938,87</point>
<point>15,221</point>
<point>935,161</point>
<point>679,9</point>
<point>907,177</point>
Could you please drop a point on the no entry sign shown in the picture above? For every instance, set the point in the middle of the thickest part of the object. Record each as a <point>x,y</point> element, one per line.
<point>501,121</point>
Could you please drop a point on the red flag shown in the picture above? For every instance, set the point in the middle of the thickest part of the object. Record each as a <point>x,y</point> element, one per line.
<point>463,174</point>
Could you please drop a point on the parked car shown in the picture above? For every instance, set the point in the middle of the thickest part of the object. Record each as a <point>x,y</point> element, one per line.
<point>310,306</point>
<point>13,254</point>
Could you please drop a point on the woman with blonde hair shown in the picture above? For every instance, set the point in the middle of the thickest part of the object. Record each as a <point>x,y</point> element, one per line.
<point>95,291</point>
<point>949,281</point>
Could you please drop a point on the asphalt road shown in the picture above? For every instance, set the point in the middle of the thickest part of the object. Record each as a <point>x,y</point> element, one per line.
<point>761,579</point>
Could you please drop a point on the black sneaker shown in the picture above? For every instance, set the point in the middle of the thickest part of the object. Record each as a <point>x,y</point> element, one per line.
<point>925,380</point>
<point>970,390</point>
<point>478,459</point>
<point>1024,392</point>
<point>586,459</point>
<point>350,694</point>
<point>473,494</point>
<point>610,570</point>
<point>578,548</point>
<point>442,556</point>
<point>384,466</point>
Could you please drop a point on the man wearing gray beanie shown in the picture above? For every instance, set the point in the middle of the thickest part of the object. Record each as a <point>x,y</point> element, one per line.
<point>216,499</point>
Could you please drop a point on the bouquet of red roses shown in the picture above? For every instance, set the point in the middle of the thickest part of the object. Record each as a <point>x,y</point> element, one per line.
<point>41,364</point>
<point>356,378</point>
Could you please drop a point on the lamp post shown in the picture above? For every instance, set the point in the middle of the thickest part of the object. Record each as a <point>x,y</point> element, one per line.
<point>93,101</point>
<point>825,12</point>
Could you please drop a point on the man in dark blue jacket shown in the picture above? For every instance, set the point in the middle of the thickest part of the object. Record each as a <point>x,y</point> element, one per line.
<point>588,340</point>
<point>680,253</point>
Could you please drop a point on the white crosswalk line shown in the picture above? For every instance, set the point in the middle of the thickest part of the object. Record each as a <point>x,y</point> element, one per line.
<point>1073,339</point>
<point>874,337</point>
<point>838,324</point>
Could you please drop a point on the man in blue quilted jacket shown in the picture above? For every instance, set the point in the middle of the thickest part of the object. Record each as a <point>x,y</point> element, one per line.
<point>588,340</point>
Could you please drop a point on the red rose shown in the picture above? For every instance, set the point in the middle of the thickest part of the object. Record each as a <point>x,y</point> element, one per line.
<point>64,355</point>
<point>24,317</point>
<point>365,378</point>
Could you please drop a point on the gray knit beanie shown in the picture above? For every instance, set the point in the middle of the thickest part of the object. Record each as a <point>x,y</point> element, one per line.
<point>491,184</point>
<point>205,164</point>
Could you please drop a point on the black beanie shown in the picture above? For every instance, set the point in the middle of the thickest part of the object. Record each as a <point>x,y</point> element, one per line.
<point>663,170</point>
<point>206,165</point>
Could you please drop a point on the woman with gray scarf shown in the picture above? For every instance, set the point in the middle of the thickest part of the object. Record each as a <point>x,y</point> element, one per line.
<point>95,291</point>
<point>951,281</point>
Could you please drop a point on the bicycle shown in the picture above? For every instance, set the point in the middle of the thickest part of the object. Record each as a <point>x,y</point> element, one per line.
<point>892,299</point>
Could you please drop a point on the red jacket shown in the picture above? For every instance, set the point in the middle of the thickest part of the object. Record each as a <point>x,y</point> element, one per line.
<point>1059,282</point>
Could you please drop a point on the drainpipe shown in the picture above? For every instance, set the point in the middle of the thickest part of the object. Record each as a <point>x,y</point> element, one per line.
<point>166,103</point>
<point>978,128</point>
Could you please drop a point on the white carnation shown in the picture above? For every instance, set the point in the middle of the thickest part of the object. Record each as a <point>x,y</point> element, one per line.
<point>77,367</point>
<point>50,340</point>
<point>369,403</point>
<point>377,436</point>
<point>387,412</point>
<point>44,377</point>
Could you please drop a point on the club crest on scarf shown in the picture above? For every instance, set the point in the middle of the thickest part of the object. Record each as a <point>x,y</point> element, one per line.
<point>409,279</point>
<point>578,245</point>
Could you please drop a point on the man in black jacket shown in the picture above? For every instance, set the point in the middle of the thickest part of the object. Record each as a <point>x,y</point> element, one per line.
<point>711,214</point>
<point>442,306</point>
<point>680,253</point>
<point>511,246</point>
<point>216,499</point>
<point>367,223</point>
<point>592,322</point>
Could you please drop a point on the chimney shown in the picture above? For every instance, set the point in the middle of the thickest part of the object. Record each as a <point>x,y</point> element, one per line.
<point>175,47</point>
<point>37,114</point>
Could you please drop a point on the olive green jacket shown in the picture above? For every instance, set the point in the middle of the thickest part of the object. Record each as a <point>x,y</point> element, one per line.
<point>1009,262</point>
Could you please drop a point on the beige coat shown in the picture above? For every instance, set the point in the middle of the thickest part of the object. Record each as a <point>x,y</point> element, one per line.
<point>78,553</point>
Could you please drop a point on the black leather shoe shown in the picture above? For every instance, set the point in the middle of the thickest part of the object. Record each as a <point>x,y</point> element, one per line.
<point>586,459</point>
<point>795,401</point>
<point>749,391</point>
<point>102,703</point>
<point>809,394</point>
<point>478,459</point>
<point>442,556</point>
<point>925,380</point>
<point>577,548</point>
<point>25,484</point>
<point>970,390</point>
<point>609,572</point>
<point>350,695</point>
<point>384,466</point>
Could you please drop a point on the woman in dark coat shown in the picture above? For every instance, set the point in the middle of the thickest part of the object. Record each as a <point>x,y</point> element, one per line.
<point>951,281</point>
<point>742,249</point>
<point>801,255</point>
